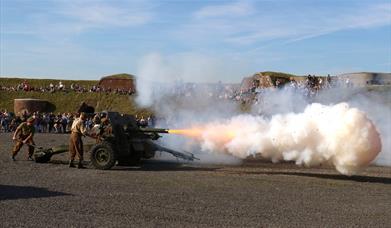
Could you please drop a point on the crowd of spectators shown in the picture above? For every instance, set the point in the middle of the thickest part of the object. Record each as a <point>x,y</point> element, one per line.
<point>61,87</point>
<point>44,122</point>
<point>308,87</point>
<point>60,123</point>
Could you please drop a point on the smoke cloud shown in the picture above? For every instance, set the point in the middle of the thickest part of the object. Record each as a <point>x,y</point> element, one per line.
<point>376,104</point>
<point>343,127</point>
<point>159,75</point>
<point>153,72</point>
<point>337,135</point>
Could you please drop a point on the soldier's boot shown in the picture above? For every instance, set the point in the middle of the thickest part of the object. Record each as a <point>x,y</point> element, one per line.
<point>30,153</point>
<point>13,155</point>
<point>71,165</point>
<point>80,165</point>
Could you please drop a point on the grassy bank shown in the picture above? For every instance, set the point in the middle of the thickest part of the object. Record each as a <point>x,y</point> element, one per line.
<point>37,83</point>
<point>70,102</point>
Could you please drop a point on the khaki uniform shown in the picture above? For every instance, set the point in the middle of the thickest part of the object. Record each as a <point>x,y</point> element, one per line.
<point>24,132</point>
<point>105,130</point>
<point>78,129</point>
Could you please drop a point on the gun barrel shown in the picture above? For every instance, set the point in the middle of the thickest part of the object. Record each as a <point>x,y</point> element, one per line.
<point>155,130</point>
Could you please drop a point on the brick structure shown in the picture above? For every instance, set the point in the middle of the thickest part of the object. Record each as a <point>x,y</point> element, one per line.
<point>31,105</point>
<point>123,82</point>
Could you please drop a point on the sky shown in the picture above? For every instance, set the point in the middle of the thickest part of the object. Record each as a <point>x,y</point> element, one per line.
<point>199,41</point>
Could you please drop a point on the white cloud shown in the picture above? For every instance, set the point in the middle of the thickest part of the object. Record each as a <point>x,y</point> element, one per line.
<point>364,18</point>
<point>288,24</point>
<point>102,14</point>
<point>218,38</point>
<point>235,9</point>
<point>64,19</point>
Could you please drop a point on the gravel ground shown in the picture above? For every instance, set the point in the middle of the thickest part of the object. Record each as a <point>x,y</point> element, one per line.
<point>167,194</point>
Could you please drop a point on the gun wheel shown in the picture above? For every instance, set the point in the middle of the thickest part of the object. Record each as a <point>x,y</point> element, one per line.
<point>103,156</point>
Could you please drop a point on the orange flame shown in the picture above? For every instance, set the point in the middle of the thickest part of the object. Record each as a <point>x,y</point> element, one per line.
<point>193,133</point>
<point>216,133</point>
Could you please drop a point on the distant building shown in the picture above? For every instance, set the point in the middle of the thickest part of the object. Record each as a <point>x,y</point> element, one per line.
<point>30,105</point>
<point>123,82</point>
<point>366,78</point>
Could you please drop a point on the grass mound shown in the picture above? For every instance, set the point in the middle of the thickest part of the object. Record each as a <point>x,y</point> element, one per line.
<point>68,101</point>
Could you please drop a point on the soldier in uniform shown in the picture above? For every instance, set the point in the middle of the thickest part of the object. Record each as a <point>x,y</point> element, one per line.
<point>96,119</point>
<point>105,129</point>
<point>78,130</point>
<point>24,135</point>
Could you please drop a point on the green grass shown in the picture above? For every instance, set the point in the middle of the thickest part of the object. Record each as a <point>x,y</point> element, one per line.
<point>286,76</point>
<point>278,74</point>
<point>69,101</point>
<point>37,83</point>
<point>120,76</point>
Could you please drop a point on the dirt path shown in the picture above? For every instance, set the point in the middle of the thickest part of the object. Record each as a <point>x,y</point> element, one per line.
<point>164,194</point>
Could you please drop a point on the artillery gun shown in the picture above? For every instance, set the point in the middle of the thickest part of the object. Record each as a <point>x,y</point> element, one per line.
<point>127,143</point>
